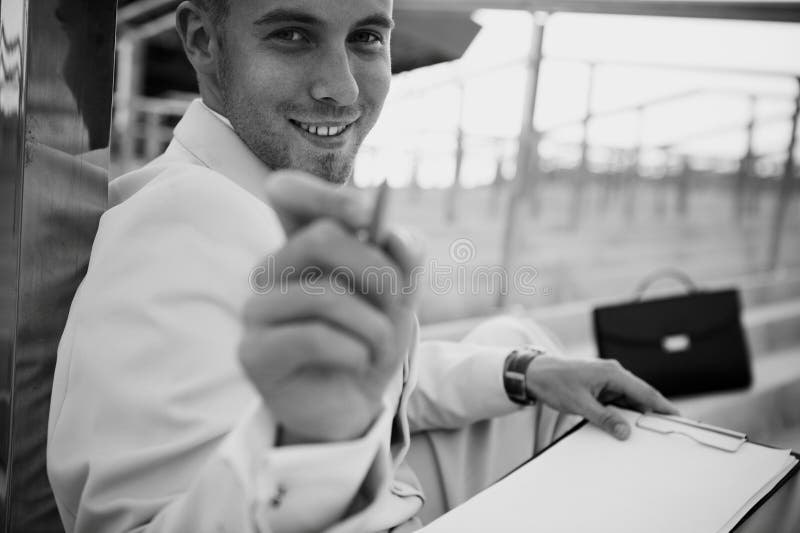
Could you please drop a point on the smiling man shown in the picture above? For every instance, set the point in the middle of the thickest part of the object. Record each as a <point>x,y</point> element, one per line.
<point>302,87</point>
<point>185,399</point>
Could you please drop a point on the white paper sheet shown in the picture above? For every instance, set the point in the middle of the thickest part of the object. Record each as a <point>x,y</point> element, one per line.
<point>591,482</point>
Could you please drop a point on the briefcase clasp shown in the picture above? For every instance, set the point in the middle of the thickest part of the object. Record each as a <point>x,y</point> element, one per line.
<point>676,343</point>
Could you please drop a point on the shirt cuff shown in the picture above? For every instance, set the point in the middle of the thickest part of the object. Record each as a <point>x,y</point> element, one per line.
<point>303,487</point>
<point>492,364</point>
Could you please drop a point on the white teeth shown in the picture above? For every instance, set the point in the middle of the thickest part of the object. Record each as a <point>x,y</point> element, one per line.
<point>322,131</point>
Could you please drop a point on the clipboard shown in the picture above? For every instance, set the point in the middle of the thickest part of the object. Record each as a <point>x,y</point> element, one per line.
<point>725,440</point>
<point>709,441</point>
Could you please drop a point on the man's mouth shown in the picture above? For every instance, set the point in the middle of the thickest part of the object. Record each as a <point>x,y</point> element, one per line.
<point>322,130</point>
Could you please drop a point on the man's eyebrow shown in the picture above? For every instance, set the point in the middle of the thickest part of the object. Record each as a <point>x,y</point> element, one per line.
<point>280,15</point>
<point>376,20</point>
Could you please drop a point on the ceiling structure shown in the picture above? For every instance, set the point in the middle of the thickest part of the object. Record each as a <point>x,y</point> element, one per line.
<point>780,11</point>
<point>427,31</point>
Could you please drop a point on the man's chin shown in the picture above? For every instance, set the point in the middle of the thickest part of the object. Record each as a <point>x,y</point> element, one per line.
<point>329,167</point>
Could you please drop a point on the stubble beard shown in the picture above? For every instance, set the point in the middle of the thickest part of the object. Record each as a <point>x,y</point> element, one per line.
<point>270,146</point>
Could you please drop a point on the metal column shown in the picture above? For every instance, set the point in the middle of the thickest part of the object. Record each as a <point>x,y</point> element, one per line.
<point>582,177</point>
<point>527,145</point>
<point>784,191</point>
<point>57,59</point>
<point>452,197</point>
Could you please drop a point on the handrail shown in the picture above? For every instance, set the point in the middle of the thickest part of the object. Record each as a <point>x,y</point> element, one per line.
<point>675,66</point>
<point>720,130</point>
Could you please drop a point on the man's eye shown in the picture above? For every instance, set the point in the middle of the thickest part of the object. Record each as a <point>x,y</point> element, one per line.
<point>366,37</point>
<point>288,35</point>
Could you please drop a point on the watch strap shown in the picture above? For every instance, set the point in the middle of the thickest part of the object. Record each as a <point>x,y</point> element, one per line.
<point>515,371</point>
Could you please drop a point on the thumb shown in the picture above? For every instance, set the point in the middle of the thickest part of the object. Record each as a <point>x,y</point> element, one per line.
<point>299,198</point>
<point>607,419</point>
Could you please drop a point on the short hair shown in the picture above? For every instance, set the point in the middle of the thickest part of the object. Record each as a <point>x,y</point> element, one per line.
<point>217,9</point>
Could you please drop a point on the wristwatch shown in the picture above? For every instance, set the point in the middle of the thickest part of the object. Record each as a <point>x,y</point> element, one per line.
<point>514,372</point>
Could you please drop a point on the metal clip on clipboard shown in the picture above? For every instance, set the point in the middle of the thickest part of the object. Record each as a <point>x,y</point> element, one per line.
<point>705,434</point>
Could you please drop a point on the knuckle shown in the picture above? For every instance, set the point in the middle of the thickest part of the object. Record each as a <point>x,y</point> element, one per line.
<point>612,367</point>
<point>317,338</point>
<point>326,302</point>
<point>282,182</point>
<point>331,305</point>
<point>325,231</point>
<point>338,203</point>
<point>276,182</point>
<point>607,419</point>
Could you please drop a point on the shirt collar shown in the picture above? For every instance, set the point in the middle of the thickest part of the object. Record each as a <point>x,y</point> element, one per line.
<point>209,137</point>
<point>221,117</point>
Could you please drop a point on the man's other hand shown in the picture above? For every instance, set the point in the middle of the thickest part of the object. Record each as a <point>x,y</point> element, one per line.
<point>322,345</point>
<point>585,387</point>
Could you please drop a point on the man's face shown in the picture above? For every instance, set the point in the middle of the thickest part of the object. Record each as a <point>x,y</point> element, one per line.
<point>303,81</point>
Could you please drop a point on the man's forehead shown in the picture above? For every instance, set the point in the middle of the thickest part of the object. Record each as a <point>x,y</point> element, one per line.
<point>336,12</point>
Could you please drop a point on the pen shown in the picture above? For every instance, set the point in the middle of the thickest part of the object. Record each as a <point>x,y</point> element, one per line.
<point>378,213</point>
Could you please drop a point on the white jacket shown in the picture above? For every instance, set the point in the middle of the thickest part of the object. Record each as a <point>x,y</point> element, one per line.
<point>153,425</point>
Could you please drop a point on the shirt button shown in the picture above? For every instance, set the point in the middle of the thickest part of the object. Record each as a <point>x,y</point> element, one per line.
<point>277,498</point>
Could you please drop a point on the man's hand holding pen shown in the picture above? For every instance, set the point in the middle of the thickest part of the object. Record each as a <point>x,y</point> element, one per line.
<point>322,359</point>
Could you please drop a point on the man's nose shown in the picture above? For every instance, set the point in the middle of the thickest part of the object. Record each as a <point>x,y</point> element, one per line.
<point>334,82</point>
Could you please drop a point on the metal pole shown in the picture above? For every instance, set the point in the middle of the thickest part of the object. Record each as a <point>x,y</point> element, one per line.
<point>660,186</point>
<point>633,170</point>
<point>784,190</point>
<point>745,166</point>
<point>752,183</point>
<point>414,185</point>
<point>581,174</point>
<point>587,118</point>
<point>524,152</point>
<point>497,187</point>
<point>130,79</point>
<point>453,196</point>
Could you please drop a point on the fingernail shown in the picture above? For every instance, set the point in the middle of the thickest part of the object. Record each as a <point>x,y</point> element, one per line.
<point>621,431</point>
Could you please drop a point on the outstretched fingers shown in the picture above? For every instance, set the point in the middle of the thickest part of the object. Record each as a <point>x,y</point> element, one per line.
<point>634,392</point>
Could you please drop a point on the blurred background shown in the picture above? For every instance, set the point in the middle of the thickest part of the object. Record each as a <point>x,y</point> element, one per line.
<point>552,153</point>
<point>656,141</point>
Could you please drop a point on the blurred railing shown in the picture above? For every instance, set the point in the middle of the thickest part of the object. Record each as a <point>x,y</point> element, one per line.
<point>581,166</point>
<point>147,130</point>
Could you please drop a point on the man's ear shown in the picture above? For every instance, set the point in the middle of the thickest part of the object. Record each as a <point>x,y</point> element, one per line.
<point>199,36</point>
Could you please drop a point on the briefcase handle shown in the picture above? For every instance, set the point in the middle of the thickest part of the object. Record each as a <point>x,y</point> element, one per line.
<point>664,273</point>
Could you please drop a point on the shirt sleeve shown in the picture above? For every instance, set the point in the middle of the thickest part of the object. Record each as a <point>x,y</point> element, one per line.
<point>283,484</point>
<point>459,383</point>
<point>153,425</point>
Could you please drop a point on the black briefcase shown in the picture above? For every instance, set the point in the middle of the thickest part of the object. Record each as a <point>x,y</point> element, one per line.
<point>686,344</point>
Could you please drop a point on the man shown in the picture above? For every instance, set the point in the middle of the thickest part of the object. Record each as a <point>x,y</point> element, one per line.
<point>186,400</point>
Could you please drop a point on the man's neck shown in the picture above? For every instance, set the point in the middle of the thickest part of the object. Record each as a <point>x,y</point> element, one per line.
<point>217,114</point>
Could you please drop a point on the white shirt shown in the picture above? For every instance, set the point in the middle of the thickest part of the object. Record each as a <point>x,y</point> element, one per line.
<point>153,425</point>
